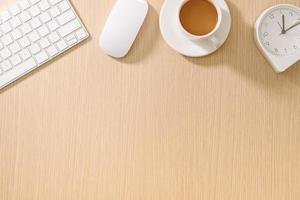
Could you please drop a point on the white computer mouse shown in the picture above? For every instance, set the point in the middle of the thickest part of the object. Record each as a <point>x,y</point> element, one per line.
<point>122,27</point>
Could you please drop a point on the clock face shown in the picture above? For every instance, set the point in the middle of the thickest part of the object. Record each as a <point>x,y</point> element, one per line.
<point>279,31</point>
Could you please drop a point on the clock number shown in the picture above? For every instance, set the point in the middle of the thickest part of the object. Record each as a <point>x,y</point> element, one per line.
<point>265,34</point>
<point>268,43</point>
<point>276,50</point>
<point>285,50</point>
<point>272,16</point>
<point>295,47</point>
<point>291,14</point>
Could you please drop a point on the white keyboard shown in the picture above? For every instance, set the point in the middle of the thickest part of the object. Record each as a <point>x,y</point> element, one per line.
<point>32,32</point>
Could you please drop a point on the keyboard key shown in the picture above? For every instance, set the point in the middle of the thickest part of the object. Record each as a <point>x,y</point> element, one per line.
<point>34,11</point>
<point>45,17</point>
<point>52,51</point>
<point>68,28</point>
<point>24,42</point>
<point>34,49</point>
<point>61,45</point>
<point>15,22</point>
<point>41,57</point>
<point>6,65</point>
<point>16,34</point>
<point>27,64</point>
<point>53,37</point>
<point>54,12</point>
<point>44,43</point>
<point>35,23</point>
<point>6,28</point>
<point>24,4</point>
<point>5,53</point>
<point>66,17</point>
<point>14,47</point>
<point>71,39</point>
<point>5,16</point>
<point>25,54</point>
<point>15,60</point>
<point>14,10</point>
<point>81,34</point>
<point>26,28</point>
<point>33,36</point>
<point>25,17</point>
<point>63,6</point>
<point>52,25</point>
<point>43,31</point>
<point>6,39</point>
<point>44,5</point>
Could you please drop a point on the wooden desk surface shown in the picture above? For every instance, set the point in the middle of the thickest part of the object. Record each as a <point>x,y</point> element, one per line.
<point>155,125</point>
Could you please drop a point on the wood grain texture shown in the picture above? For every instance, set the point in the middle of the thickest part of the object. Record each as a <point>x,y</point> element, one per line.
<point>154,125</point>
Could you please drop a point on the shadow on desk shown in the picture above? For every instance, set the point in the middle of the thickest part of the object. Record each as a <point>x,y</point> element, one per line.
<point>241,55</point>
<point>146,39</point>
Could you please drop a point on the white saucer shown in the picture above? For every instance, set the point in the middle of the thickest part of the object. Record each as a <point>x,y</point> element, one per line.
<point>176,39</point>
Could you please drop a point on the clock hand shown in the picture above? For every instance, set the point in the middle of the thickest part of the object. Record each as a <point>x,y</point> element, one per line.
<point>297,24</point>
<point>283,25</point>
<point>280,26</point>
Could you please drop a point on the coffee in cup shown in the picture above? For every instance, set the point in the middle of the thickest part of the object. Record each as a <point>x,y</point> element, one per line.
<point>200,19</point>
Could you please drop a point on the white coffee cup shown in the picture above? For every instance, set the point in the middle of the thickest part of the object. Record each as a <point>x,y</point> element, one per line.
<point>211,35</point>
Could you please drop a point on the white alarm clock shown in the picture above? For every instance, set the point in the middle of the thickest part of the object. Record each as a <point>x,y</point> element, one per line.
<point>277,35</point>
